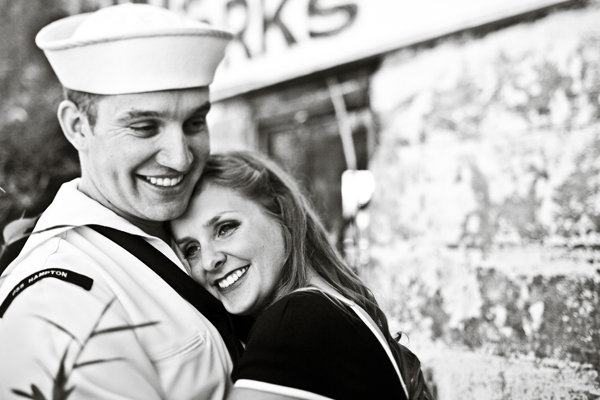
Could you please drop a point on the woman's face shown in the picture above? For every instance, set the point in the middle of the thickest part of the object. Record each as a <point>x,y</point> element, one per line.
<point>236,251</point>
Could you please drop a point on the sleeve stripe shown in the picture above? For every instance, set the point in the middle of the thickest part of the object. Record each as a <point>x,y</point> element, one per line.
<point>278,389</point>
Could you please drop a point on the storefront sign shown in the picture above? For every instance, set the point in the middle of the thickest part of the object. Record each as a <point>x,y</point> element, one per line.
<point>277,40</point>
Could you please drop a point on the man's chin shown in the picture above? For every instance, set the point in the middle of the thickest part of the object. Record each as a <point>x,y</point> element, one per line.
<point>167,216</point>
<point>163,213</point>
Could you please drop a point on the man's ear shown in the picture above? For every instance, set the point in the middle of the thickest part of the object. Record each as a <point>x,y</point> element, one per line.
<point>74,124</point>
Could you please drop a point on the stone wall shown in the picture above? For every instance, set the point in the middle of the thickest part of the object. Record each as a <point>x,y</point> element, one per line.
<point>485,228</point>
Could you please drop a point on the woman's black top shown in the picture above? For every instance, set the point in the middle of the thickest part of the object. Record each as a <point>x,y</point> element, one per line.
<point>306,342</point>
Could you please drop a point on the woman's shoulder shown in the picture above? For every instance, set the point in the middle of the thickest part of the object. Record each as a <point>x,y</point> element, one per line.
<point>309,341</point>
<point>313,322</point>
<point>304,296</point>
<point>302,308</point>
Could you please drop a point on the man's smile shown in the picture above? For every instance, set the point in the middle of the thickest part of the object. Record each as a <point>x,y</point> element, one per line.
<point>164,182</point>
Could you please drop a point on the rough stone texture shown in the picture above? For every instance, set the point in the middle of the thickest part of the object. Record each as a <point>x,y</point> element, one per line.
<point>485,227</point>
<point>469,375</point>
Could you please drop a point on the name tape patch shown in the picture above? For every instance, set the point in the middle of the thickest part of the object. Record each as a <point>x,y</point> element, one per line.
<point>66,275</point>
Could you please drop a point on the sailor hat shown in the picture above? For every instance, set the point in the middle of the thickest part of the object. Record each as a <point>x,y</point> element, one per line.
<point>132,48</point>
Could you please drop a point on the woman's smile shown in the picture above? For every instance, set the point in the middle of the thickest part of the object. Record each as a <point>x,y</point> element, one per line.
<point>234,248</point>
<point>228,282</point>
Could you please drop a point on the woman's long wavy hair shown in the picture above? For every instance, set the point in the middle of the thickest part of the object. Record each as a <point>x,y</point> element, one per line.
<point>306,241</point>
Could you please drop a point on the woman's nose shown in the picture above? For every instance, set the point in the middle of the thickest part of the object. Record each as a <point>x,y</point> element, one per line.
<point>212,259</point>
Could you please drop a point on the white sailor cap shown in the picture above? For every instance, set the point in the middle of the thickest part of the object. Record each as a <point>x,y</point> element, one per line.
<point>132,48</point>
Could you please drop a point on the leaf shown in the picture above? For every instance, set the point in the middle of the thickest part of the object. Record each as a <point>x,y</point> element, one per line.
<point>64,394</point>
<point>42,366</point>
<point>22,393</point>
<point>122,328</point>
<point>99,361</point>
<point>106,307</point>
<point>37,393</point>
<point>72,336</point>
<point>60,380</point>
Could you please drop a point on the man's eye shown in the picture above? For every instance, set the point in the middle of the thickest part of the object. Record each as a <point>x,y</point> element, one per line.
<point>195,125</point>
<point>144,129</point>
<point>191,250</point>
<point>226,228</point>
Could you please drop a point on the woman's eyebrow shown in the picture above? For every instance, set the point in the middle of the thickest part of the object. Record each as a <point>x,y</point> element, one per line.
<point>216,218</point>
<point>212,221</point>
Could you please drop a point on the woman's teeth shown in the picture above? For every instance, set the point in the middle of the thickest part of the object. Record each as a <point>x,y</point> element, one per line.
<point>231,278</point>
<point>164,182</point>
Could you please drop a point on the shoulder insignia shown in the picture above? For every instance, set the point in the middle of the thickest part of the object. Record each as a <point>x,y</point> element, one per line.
<point>66,275</point>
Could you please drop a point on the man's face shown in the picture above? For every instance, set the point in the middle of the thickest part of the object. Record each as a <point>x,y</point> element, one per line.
<point>146,152</point>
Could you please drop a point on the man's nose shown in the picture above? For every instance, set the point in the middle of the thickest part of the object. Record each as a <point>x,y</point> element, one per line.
<point>175,152</point>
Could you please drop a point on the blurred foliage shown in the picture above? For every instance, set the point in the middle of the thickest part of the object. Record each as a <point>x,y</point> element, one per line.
<point>34,156</point>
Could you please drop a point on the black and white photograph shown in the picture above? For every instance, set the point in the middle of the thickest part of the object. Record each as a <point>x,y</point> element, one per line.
<point>300,199</point>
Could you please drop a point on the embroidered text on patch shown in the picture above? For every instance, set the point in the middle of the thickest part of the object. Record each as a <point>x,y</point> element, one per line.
<point>66,275</point>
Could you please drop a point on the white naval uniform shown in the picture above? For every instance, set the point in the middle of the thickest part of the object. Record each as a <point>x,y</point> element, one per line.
<point>179,356</point>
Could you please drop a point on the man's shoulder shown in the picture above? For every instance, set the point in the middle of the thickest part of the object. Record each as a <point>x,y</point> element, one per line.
<point>38,249</point>
<point>54,270</point>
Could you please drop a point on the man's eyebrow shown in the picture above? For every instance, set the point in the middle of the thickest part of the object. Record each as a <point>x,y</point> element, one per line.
<point>133,114</point>
<point>204,108</point>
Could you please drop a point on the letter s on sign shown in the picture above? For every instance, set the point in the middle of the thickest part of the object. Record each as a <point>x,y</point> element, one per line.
<point>314,9</point>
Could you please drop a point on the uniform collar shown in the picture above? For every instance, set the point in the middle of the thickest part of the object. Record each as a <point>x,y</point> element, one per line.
<point>72,208</point>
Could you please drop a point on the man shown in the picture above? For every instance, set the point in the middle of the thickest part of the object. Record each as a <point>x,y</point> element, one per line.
<point>80,316</point>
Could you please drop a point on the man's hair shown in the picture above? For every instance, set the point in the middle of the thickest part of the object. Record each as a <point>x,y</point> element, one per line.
<point>85,102</point>
<point>307,244</point>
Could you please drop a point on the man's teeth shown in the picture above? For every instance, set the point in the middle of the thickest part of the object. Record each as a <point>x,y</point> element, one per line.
<point>164,182</point>
<point>231,278</point>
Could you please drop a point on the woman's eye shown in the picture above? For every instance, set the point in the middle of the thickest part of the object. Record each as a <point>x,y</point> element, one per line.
<point>191,250</point>
<point>226,228</point>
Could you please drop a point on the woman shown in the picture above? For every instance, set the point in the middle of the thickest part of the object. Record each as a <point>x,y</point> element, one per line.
<point>253,241</point>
